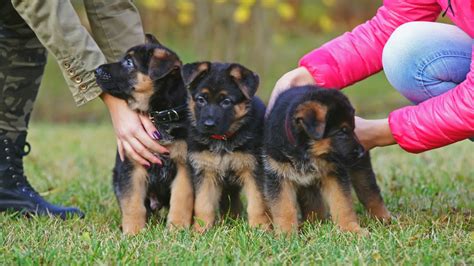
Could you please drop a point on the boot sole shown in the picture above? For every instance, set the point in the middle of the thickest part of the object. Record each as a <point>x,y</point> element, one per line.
<point>17,205</point>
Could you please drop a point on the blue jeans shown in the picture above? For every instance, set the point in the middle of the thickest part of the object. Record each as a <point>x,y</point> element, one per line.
<point>425,59</point>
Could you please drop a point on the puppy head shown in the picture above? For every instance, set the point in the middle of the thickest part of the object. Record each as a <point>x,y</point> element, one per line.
<point>138,75</point>
<point>220,95</point>
<point>325,120</point>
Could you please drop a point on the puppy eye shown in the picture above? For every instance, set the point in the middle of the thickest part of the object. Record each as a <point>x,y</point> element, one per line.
<point>201,100</point>
<point>226,102</point>
<point>343,131</point>
<point>129,63</point>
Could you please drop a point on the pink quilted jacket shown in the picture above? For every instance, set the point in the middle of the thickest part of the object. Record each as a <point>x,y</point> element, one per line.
<point>434,123</point>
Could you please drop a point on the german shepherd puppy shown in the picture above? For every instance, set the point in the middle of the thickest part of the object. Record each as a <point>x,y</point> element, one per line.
<point>311,157</point>
<point>224,143</point>
<point>149,79</point>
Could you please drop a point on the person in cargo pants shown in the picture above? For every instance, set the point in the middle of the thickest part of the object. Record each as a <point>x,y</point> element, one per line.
<point>28,29</point>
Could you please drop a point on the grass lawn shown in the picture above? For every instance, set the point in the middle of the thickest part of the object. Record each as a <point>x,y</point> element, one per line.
<point>431,194</point>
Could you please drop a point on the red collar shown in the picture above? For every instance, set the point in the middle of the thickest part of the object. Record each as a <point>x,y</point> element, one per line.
<point>288,132</point>
<point>226,136</point>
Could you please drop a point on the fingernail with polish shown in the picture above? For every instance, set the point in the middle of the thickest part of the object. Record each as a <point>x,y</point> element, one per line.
<point>157,135</point>
<point>147,166</point>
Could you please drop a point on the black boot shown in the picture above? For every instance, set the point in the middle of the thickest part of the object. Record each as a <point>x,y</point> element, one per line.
<point>16,193</point>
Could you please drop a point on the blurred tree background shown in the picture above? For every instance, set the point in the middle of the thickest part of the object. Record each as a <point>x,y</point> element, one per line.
<point>268,36</point>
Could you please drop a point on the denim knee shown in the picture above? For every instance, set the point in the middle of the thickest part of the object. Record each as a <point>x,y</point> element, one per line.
<point>397,60</point>
<point>418,55</point>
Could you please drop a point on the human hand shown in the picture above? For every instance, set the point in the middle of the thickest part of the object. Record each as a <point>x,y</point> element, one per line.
<point>373,133</point>
<point>136,134</point>
<point>296,77</point>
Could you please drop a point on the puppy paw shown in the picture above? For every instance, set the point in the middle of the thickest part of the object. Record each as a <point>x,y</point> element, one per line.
<point>379,211</point>
<point>363,232</point>
<point>262,226</point>
<point>132,229</point>
<point>133,223</point>
<point>262,222</point>
<point>386,218</point>
<point>201,228</point>
<point>178,224</point>
<point>284,230</point>
<point>354,227</point>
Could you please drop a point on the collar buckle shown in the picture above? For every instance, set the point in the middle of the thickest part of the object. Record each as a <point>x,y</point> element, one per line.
<point>165,116</point>
<point>173,115</point>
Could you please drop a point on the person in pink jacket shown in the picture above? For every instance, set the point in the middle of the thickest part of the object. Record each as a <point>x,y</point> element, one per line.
<point>427,62</point>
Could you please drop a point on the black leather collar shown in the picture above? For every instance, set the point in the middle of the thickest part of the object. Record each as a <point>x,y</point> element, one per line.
<point>169,116</point>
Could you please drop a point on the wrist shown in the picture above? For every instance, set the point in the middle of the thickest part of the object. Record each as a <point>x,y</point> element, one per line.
<point>373,133</point>
<point>383,134</point>
<point>110,101</point>
<point>106,98</point>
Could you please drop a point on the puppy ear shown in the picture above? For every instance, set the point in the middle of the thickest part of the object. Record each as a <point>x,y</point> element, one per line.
<point>310,117</point>
<point>193,72</point>
<point>314,129</point>
<point>150,39</point>
<point>162,62</point>
<point>244,78</point>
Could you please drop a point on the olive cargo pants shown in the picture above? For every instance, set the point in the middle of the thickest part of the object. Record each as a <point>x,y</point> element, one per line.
<point>29,28</point>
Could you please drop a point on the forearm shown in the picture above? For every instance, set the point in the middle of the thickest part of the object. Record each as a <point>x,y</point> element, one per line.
<point>110,100</point>
<point>383,134</point>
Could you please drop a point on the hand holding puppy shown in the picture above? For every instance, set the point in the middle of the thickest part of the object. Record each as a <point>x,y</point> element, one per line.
<point>133,133</point>
<point>297,77</point>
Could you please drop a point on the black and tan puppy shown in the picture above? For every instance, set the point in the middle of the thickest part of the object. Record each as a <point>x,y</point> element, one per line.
<point>224,141</point>
<point>311,157</point>
<point>149,79</point>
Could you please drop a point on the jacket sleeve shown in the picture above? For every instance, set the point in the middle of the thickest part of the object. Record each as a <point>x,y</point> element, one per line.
<point>116,26</point>
<point>438,121</point>
<point>57,26</point>
<point>358,54</point>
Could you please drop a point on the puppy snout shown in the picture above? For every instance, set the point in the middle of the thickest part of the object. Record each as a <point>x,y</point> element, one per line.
<point>98,71</point>
<point>209,123</point>
<point>101,73</point>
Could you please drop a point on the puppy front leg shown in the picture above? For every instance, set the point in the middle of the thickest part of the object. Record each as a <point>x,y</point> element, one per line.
<point>284,209</point>
<point>256,207</point>
<point>182,199</point>
<point>338,196</point>
<point>132,203</point>
<point>208,193</point>
<point>365,185</point>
